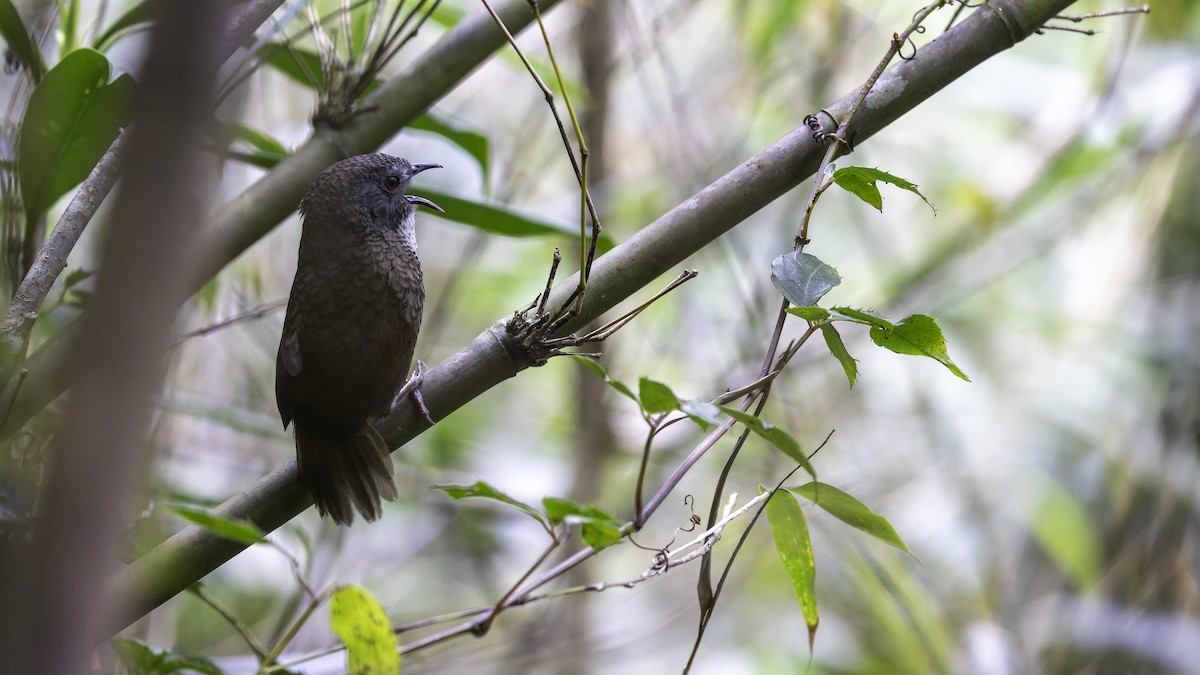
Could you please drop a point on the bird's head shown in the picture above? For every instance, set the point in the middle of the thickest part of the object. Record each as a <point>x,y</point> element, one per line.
<point>371,185</point>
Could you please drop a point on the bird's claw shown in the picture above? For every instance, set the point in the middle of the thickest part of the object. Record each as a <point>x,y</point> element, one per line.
<point>413,388</point>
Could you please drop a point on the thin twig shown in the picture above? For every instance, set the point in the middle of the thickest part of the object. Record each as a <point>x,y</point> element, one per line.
<point>541,310</point>
<point>585,198</point>
<point>580,174</point>
<point>232,618</point>
<point>1067,29</point>
<point>1144,9</point>
<point>483,626</point>
<point>253,313</point>
<point>604,332</point>
<point>268,662</point>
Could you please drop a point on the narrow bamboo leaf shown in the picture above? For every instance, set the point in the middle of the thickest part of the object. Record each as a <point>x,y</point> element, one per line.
<point>703,413</point>
<point>241,531</point>
<point>359,621</point>
<point>482,490</point>
<point>16,37</point>
<point>259,139</point>
<point>361,17</point>
<point>1062,526</point>
<point>863,316</point>
<point>75,276</point>
<point>854,513</point>
<point>792,542</point>
<point>238,418</point>
<point>773,435</point>
<point>300,65</point>
<point>917,335</point>
<point>474,142</point>
<point>598,528</point>
<point>265,151</point>
<point>137,15</point>
<point>762,25</point>
<point>74,114</point>
<point>833,340</point>
<point>256,158</point>
<point>500,219</point>
<point>811,313</point>
<point>861,181</point>
<point>803,278</point>
<point>656,397</point>
<point>447,15</point>
<point>68,26</point>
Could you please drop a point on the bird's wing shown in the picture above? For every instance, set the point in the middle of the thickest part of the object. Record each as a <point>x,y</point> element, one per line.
<point>289,352</point>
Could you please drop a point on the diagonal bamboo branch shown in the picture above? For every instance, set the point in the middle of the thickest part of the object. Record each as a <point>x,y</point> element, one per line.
<point>492,358</point>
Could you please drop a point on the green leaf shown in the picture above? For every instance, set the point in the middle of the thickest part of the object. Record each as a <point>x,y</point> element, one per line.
<point>474,142</point>
<point>656,397</point>
<point>142,659</point>
<point>482,490</point>
<point>773,435</point>
<point>359,621</point>
<point>833,340</point>
<point>616,384</point>
<point>622,388</point>
<point>703,413</point>
<point>137,15</point>
<point>599,533</point>
<point>803,278</point>
<point>860,181</point>
<point>792,542</point>
<point>592,365</point>
<point>17,39</point>
<point>849,510</point>
<point>500,219</point>
<point>74,114</point>
<point>598,529</point>
<point>863,316</point>
<point>810,313</point>
<point>917,335</point>
<point>241,531</point>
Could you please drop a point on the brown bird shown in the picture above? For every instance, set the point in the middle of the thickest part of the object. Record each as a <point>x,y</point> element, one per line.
<point>350,330</point>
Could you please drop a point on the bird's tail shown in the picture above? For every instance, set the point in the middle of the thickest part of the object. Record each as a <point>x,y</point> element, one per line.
<point>339,472</point>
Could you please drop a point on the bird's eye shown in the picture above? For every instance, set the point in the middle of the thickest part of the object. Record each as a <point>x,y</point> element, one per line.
<point>391,183</point>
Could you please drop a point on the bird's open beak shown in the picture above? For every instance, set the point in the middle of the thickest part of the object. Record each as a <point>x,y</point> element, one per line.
<point>413,199</point>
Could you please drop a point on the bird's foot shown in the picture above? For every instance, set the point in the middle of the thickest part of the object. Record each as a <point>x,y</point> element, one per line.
<point>413,388</point>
